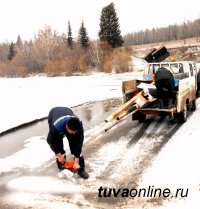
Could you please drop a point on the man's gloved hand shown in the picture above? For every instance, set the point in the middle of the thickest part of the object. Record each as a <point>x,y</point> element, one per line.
<point>61,158</point>
<point>76,165</point>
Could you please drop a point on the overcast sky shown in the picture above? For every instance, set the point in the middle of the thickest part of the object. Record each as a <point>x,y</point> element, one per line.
<point>26,17</point>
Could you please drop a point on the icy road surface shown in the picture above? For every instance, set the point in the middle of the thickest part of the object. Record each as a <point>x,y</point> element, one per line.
<point>154,154</point>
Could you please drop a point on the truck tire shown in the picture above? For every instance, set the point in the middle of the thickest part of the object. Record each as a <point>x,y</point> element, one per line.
<point>182,116</point>
<point>139,116</point>
<point>193,106</point>
<point>198,84</point>
<point>142,118</point>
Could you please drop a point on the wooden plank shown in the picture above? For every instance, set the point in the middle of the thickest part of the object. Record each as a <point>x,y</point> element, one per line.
<point>124,107</point>
<point>158,110</point>
<point>129,86</point>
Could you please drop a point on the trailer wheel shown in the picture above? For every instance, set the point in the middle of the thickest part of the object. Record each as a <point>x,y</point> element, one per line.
<point>182,116</point>
<point>194,106</point>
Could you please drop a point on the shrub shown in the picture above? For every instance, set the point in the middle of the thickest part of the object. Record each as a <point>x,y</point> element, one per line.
<point>122,60</point>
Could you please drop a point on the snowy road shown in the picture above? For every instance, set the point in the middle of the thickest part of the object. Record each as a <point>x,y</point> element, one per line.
<point>120,160</point>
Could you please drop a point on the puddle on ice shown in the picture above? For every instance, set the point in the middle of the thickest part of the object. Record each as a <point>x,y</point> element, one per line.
<point>94,113</point>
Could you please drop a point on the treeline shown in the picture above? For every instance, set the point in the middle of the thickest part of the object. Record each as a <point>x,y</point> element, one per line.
<point>48,53</point>
<point>185,30</point>
<point>61,54</point>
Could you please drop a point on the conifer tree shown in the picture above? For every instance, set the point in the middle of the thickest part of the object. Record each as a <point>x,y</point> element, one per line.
<point>109,27</point>
<point>83,38</point>
<point>11,51</point>
<point>19,41</point>
<point>69,36</point>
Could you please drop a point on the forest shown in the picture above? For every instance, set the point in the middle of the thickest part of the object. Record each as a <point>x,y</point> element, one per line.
<point>53,54</point>
<point>174,32</point>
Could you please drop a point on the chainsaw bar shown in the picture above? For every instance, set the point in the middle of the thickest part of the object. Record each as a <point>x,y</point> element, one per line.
<point>68,174</point>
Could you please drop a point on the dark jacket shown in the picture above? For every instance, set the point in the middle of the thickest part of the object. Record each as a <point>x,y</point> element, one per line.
<point>57,119</point>
<point>165,83</point>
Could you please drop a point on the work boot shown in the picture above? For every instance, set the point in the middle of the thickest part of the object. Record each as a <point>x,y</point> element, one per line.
<point>83,174</point>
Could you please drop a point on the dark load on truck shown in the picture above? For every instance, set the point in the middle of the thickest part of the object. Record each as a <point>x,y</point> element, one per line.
<point>158,55</point>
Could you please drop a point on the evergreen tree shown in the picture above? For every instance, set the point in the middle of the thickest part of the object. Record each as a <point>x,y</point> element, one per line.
<point>18,45</point>
<point>83,38</point>
<point>69,36</point>
<point>19,41</point>
<point>109,27</point>
<point>11,52</point>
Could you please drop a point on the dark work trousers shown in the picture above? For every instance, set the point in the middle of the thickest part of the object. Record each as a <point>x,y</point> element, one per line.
<point>165,89</point>
<point>57,140</point>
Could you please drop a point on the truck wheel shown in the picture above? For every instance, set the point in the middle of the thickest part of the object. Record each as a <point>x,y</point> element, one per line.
<point>139,116</point>
<point>197,93</point>
<point>198,84</point>
<point>194,106</point>
<point>142,118</point>
<point>182,116</point>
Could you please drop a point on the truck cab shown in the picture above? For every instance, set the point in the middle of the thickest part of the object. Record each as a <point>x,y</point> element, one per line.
<point>189,68</point>
<point>179,69</point>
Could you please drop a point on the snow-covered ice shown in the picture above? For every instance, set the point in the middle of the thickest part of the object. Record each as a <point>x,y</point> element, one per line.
<point>27,99</point>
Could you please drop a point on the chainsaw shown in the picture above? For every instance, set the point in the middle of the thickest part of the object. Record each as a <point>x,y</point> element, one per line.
<point>68,170</point>
<point>70,166</point>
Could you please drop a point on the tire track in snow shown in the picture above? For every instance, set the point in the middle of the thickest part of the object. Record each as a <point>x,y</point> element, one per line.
<point>108,152</point>
<point>132,137</point>
<point>148,143</point>
<point>140,156</point>
<point>116,162</point>
<point>124,160</point>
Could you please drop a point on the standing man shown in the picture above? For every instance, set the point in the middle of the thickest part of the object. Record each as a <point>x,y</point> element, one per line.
<point>63,122</point>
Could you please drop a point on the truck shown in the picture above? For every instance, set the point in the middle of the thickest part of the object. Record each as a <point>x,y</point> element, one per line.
<point>185,74</point>
<point>140,95</point>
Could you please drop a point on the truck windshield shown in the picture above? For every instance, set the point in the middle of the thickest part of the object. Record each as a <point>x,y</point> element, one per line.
<point>165,65</point>
<point>153,68</point>
<point>174,67</point>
